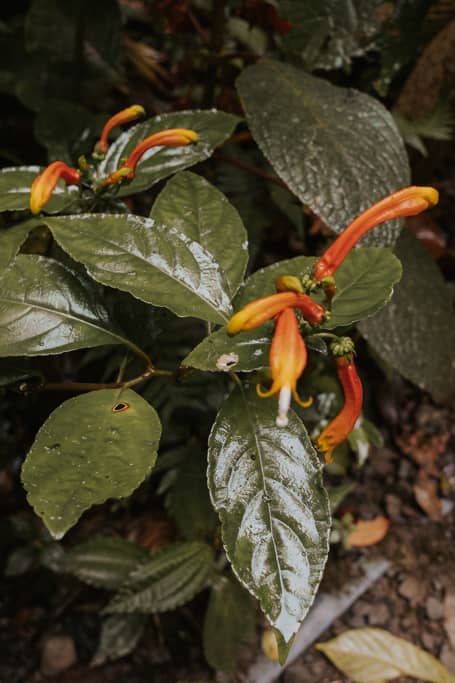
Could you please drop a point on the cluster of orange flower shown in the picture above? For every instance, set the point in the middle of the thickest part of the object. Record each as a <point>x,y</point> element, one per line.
<point>288,353</point>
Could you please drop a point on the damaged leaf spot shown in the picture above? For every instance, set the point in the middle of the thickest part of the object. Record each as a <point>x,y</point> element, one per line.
<point>120,407</point>
<point>227,361</point>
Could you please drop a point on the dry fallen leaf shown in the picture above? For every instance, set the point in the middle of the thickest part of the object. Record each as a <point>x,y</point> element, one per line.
<point>368,532</point>
<point>371,655</point>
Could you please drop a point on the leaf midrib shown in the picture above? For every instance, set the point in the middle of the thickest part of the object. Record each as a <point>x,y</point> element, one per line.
<point>144,260</point>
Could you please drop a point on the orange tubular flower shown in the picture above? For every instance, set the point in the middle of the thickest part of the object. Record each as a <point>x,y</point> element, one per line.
<point>259,311</point>
<point>45,182</point>
<point>288,358</point>
<point>125,116</point>
<point>407,202</point>
<point>340,427</point>
<point>174,137</point>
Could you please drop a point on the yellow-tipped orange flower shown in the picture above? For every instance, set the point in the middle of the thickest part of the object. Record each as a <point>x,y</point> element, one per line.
<point>288,358</point>
<point>45,182</point>
<point>340,427</point>
<point>259,311</point>
<point>407,202</point>
<point>174,137</point>
<point>125,116</point>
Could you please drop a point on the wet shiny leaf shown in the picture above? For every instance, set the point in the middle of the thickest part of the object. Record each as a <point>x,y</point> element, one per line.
<point>414,333</point>
<point>154,263</point>
<point>11,240</point>
<point>46,308</point>
<point>266,485</point>
<point>105,561</point>
<point>229,623</point>
<point>371,655</point>
<point>365,282</point>
<point>169,579</point>
<point>221,352</point>
<point>93,447</point>
<point>201,212</point>
<point>15,183</point>
<point>338,150</point>
<point>213,128</point>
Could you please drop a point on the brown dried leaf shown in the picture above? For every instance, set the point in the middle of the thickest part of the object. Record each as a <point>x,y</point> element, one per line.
<point>426,495</point>
<point>368,532</point>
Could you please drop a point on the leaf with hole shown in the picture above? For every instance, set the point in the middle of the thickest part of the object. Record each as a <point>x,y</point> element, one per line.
<point>154,263</point>
<point>169,579</point>
<point>371,655</point>
<point>338,150</point>
<point>266,485</point>
<point>213,128</point>
<point>201,212</point>
<point>47,308</point>
<point>105,561</point>
<point>93,447</point>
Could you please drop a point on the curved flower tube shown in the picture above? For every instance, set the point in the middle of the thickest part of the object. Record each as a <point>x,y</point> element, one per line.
<point>288,358</point>
<point>407,202</point>
<point>125,116</point>
<point>174,137</point>
<point>44,183</point>
<point>259,311</point>
<point>340,427</point>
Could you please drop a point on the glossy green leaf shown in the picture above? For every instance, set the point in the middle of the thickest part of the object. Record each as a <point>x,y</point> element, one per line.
<point>213,128</point>
<point>156,264</point>
<point>338,150</point>
<point>365,282</point>
<point>15,184</point>
<point>201,212</point>
<point>229,623</point>
<point>266,485</point>
<point>93,447</point>
<point>46,308</point>
<point>415,333</point>
<point>170,579</point>
<point>327,35</point>
<point>371,655</point>
<point>120,633</point>
<point>105,561</point>
<point>221,352</point>
<point>11,240</point>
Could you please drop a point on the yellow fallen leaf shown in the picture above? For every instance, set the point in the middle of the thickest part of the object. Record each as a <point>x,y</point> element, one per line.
<point>269,645</point>
<point>368,532</point>
<point>372,655</point>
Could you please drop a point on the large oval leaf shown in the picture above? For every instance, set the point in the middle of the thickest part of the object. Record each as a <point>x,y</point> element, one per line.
<point>213,127</point>
<point>46,308</point>
<point>415,332</point>
<point>338,150</point>
<point>15,184</point>
<point>93,447</point>
<point>266,485</point>
<point>202,213</point>
<point>156,264</point>
<point>371,655</point>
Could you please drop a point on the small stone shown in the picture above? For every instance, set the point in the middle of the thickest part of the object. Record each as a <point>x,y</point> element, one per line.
<point>393,506</point>
<point>434,608</point>
<point>379,615</point>
<point>428,641</point>
<point>447,657</point>
<point>413,590</point>
<point>58,655</point>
